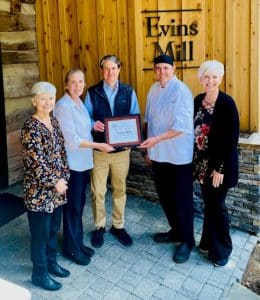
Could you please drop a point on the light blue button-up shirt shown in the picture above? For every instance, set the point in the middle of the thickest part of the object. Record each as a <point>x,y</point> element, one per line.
<point>171,107</point>
<point>111,95</point>
<point>75,124</point>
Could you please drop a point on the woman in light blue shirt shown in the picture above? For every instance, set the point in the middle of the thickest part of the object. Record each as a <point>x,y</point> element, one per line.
<point>76,127</point>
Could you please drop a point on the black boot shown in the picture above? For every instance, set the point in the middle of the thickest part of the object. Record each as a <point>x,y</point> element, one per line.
<point>57,270</point>
<point>46,282</point>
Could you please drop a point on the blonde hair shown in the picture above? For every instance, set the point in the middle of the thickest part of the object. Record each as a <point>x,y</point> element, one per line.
<point>211,66</point>
<point>43,87</point>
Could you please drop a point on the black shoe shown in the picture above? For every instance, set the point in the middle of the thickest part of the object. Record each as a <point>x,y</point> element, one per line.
<point>78,258</point>
<point>87,250</point>
<point>122,236</point>
<point>97,237</point>
<point>46,282</point>
<point>165,237</point>
<point>221,262</point>
<point>204,251</point>
<point>203,247</point>
<point>182,253</point>
<point>58,271</point>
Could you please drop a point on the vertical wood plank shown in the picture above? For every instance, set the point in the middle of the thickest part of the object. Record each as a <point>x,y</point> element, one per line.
<point>39,10</point>
<point>123,28</point>
<point>107,27</point>
<point>208,32</point>
<point>148,51</point>
<point>194,43</point>
<point>88,40</point>
<point>219,33</point>
<point>51,40</point>
<point>69,43</point>
<point>255,66</point>
<point>237,62</point>
<point>132,42</point>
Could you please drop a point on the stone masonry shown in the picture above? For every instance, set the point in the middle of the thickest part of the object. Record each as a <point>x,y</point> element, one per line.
<point>243,201</point>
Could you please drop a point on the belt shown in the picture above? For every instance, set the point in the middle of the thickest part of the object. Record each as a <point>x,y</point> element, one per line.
<point>117,150</point>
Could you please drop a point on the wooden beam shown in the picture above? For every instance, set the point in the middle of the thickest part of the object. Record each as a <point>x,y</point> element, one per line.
<point>15,6</point>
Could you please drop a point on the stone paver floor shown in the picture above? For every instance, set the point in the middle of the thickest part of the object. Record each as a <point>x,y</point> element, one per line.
<point>144,271</point>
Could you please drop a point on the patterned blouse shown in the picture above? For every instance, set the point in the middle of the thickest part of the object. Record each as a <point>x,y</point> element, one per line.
<point>45,162</point>
<point>202,122</point>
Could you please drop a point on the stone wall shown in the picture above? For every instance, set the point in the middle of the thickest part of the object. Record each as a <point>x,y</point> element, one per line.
<point>243,201</point>
<point>20,71</point>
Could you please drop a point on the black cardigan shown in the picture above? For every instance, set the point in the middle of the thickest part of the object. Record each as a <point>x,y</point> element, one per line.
<point>223,137</point>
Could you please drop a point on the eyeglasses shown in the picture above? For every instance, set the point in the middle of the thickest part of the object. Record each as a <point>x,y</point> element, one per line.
<point>209,77</point>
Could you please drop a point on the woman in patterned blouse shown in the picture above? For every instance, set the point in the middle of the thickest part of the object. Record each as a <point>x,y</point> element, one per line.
<point>216,125</point>
<point>46,175</point>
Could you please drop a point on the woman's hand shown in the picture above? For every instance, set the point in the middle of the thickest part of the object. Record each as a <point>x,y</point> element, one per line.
<point>149,143</point>
<point>99,126</point>
<point>217,178</point>
<point>61,186</point>
<point>104,147</point>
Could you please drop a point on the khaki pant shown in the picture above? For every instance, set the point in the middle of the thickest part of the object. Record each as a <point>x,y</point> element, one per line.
<point>117,164</point>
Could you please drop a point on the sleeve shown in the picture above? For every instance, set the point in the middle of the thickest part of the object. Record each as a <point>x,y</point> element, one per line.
<point>134,104</point>
<point>64,167</point>
<point>89,107</point>
<point>183,111</point>
<point>226,134</point>
<point>65,117</point>
<point>35,158</point>
<point>147,107</point>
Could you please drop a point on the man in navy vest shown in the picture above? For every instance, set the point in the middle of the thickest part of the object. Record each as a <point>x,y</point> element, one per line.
<point>110,97</point>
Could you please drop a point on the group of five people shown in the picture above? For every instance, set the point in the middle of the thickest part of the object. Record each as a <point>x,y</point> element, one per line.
<point>65,149</point>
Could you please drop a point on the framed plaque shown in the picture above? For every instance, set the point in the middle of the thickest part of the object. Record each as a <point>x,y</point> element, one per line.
<point>123,131</point>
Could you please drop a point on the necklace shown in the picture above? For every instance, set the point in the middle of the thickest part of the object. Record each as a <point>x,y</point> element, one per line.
<point>209,103</point>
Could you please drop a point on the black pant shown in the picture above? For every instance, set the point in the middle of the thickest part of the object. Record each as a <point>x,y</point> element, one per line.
<point>44,228</point>
<point>73,211</point>
<point>215,234</point>
<point>174,185</point>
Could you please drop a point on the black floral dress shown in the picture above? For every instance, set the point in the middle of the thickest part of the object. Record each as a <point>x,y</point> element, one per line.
<point>202,123</point>
<point>45,162</point>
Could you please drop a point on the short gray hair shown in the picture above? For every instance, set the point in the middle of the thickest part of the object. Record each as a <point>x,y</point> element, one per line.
<point>112,58</point>
<point>43,87</point>
<point>211,66</point>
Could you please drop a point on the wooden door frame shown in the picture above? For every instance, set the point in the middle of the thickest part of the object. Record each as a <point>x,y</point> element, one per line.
<point>3,141</point>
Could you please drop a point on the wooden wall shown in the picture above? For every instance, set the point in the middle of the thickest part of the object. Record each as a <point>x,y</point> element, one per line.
<point>45,38</point>
<point>20,71</point>
<point>78,33</point>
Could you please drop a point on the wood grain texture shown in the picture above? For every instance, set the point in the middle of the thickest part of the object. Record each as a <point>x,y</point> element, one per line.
<point>79,33</point>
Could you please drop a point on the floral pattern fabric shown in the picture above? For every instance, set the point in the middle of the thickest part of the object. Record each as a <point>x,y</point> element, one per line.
<point>202,122</point>
<point>45,162</point>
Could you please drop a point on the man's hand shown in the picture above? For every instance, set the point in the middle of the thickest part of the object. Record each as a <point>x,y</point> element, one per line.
<point>99,126</point>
